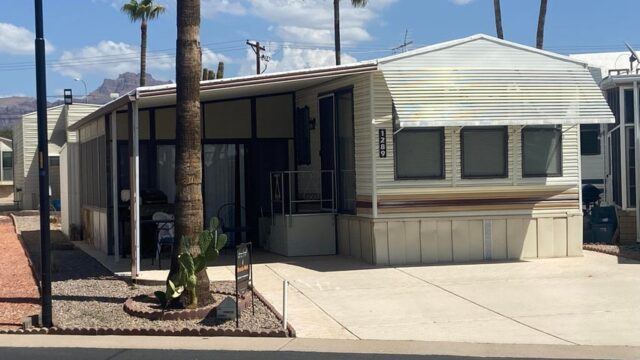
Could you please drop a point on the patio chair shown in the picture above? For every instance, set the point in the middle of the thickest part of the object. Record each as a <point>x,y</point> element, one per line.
<point>165,233</point>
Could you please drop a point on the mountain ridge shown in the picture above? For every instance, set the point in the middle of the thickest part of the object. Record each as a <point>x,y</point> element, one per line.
<point>13,107</point>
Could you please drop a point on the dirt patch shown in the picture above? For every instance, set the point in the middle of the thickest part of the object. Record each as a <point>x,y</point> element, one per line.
<point>19,294</point>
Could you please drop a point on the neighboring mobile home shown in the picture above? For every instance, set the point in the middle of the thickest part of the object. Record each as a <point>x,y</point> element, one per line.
<point>593,136</point>
<point>462,151</point>
<point>25,136</point>
<point>622,150</point>
<point>6,171</point>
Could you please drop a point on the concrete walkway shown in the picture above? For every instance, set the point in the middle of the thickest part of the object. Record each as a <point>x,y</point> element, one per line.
<point>150,347</point>
<point>591,300</point>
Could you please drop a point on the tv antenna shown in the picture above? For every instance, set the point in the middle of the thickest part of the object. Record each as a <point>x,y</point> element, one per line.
<point>402,47</point>
<point>633,58</point>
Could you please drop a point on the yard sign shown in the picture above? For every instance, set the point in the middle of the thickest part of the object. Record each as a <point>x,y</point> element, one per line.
<point>244,275</point>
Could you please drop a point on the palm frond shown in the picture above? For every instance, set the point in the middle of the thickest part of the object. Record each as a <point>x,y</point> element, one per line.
<point>155,11</point>
<point>359,3</point>
<point>132,9</point>
<point>142,10</point>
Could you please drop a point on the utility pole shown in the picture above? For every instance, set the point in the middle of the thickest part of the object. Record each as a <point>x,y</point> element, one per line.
<point>43,167</point>
<point>256,49</point>
<point>402,47</point>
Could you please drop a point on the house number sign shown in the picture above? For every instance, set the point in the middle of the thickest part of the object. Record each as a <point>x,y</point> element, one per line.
<point>382,143</point>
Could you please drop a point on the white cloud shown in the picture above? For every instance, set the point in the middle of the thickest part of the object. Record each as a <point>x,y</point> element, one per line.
<point>109,59</point>
<point>210,8</point>
<point>311,21</point>
<point>210,58</point>
<point>292,59</point>
<point>17,40</point>
<point>461,2</point>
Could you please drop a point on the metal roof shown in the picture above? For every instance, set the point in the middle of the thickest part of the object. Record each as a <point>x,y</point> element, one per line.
<point>481,80</point>
<point>477,80</point>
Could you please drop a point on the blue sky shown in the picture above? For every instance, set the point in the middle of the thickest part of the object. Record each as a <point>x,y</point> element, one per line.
<point>91,39</point>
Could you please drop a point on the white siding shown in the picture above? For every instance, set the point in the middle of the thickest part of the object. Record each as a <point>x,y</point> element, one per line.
<point>26,144</point>
<point>362,125</point>
<point>18,159</point>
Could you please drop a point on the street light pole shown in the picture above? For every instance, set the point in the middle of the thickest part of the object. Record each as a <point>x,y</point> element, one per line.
<point>86,95</point>
<point>43,166</point>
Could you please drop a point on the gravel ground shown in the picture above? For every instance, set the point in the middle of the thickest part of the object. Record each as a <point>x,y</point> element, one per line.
<point>85,294</point>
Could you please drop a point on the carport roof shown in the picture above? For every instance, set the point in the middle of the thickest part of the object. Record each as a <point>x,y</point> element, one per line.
<point>229,88</point>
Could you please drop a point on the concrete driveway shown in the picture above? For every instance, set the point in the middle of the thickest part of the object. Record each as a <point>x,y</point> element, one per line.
<point>592,300</point>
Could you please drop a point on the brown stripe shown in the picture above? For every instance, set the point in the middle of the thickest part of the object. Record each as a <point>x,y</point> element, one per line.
<point>471,202</point>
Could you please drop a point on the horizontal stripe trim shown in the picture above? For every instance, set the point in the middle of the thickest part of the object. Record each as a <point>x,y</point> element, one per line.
<point>480,208</point>
<point>471,202</point>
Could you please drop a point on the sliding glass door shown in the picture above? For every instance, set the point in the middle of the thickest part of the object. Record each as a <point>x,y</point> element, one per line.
<point>224,188</point>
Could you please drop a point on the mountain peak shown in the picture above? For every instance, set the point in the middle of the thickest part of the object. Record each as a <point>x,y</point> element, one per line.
<point>121,85</point>
<point>12,108</point>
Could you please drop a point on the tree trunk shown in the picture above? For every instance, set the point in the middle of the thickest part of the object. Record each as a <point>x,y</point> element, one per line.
<point>498,17</point>
<point>336,28</point>
<point>188,204</point>
<point>143,52</point>
<point>541,19</point>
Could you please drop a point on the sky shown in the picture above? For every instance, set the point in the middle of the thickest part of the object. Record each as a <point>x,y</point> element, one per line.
<point>92,40</point>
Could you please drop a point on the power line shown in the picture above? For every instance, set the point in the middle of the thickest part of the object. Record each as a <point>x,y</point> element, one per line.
<point>255,46</point>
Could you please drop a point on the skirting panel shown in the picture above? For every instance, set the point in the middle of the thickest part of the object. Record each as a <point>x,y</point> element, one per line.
<point>445,240</point>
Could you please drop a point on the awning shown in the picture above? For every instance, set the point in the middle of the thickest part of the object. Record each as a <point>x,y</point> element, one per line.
<point>429,97</point>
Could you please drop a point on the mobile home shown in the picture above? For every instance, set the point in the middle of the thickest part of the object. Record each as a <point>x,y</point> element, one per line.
<point>467,150</point>
<point>25,138</point>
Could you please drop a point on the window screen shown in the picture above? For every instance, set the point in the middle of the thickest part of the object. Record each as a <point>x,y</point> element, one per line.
<point>590,139</point>
<point>541,151</point>
<point>484,152</point>
<point>419,154</point>
<point>7,166</point>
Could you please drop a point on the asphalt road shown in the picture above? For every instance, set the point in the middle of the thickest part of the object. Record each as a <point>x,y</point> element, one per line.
<point>142,354</point>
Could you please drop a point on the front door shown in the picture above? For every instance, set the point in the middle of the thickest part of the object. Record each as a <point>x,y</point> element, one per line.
<point>337,151</point>
<point>327,150</point>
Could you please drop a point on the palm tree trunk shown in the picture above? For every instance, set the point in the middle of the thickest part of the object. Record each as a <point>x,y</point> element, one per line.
<point>498,17</point>
<point>541,19</point>
<point>143,52</point>
<point>188,211</point>
<point>336,28</point>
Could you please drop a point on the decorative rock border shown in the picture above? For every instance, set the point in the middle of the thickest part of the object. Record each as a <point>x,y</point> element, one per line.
<point>612,249</point>
<point>197,331</point>
<point>201,331</point>
<point>130,307</point>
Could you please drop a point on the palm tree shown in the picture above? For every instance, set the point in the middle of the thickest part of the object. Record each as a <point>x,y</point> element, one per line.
<point>336,22</point>
<point>541,18</point>
<point>498,18</point>
<point>188,202</point>
<point>142,11</point>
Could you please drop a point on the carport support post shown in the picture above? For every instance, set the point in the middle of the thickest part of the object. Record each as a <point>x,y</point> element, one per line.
<point>114,187</point>
<point>43,169</point>
<point>134,186</point>
<point>636,142</point>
